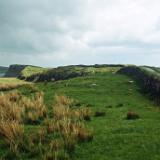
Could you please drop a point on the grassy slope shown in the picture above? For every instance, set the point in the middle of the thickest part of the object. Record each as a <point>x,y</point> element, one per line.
<point>11,81</point>
<point>152,71</point>
<point>30,70</point>
<point>67,72</point>
<point>115,137</point>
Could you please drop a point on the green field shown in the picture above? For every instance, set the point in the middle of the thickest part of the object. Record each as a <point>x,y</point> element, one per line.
<point>11,81</point>
<point>115,137</point>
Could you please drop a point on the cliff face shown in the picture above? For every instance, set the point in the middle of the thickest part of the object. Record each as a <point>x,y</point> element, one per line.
<point>149,82</point>
<point>14,70</point>
<point>3,70</point>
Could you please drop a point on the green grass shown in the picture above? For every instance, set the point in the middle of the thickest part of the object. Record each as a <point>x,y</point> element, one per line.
<point>12,81</point>
<point>115,138</point>
<point>154,72</point>
<point>30,70</point>
<point>97,70</point>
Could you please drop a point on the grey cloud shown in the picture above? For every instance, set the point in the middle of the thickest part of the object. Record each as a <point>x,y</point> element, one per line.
<point>129,43</point>
<point>32,26</point>
<point>57,32</point>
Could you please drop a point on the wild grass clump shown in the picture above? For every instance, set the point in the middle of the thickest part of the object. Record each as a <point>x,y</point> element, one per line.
<point>9,108</point>
<point>15,109</point>
<point>12,131</point>
<point>63,100</point>
<point>85,113</point>
<point>132,115</point>
<point>6,87</point>
<point>34,109</point>
<point>14,106</point>
<point>55,137</point>
<point>70,122</point>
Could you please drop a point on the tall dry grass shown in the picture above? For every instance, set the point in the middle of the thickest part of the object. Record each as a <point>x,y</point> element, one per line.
<point>11,131</point>
<point>54,137</point>
<point>14,106</point>
<point>6,87</point>
<point>15,109</point>
<point>34,109</point>
<point>70,122</point>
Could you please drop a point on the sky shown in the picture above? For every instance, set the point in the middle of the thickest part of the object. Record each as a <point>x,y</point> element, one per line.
<point>64,32</point>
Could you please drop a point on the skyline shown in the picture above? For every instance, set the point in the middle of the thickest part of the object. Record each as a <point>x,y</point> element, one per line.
<point>55,33</point>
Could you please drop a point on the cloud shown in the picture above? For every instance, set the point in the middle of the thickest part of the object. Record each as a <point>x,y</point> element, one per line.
<point>60,32</point>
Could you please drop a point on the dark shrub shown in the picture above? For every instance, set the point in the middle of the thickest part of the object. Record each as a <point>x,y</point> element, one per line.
<point>108,106</point>
<point>119,105</point>
<point>132,115</point>
<point>99,114</point>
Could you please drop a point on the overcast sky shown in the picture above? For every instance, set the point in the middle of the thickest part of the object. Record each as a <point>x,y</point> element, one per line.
<point>62,32</point>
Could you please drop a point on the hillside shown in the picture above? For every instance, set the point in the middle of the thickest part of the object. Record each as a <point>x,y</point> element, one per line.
<point>114,136</point>
<point>14,70</point>
<point>31,70</point>
<point>101,115</point>
<point>148,78</point>
<point>23,71</point>
<point>67,72</point>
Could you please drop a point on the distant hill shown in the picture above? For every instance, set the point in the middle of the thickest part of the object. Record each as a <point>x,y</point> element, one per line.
<point>3,70</point>
<point>67,72</point>
<point>23,71</point>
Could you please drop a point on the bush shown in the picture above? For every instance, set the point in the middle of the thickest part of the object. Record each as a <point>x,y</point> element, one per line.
<point>119,105</point>
<point>99,114</point>
<point>132,115</point>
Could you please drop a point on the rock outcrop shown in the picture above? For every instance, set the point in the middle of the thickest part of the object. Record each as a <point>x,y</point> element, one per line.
<point>14,70</point>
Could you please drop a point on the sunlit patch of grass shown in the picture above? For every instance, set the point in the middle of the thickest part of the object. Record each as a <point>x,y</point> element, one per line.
<point>6,87</point>
<point>12,81</point>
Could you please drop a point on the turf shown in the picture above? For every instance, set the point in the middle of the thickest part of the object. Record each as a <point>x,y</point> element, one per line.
<point>11,81</point>
<point>115,138</point>
<point>30,70</point>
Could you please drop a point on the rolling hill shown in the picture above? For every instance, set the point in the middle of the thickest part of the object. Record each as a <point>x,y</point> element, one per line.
<point>123,120</point>
<point>23,71</point>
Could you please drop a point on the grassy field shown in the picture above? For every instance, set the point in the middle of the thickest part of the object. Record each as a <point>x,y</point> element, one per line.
<point>114,137</point>
<point>12,81</point>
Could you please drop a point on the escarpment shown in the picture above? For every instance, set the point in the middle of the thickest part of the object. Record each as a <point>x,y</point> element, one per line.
<point>148,79</point>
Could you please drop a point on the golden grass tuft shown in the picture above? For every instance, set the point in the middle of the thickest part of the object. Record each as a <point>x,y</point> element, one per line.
<point>34,108</point>
<point>63,100</point>
<point>70,122</point>
<point>13,133</point>
<point>6,87</point>
<point>9,109</point>
<point>13,106</point>
<point>11,130</point>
